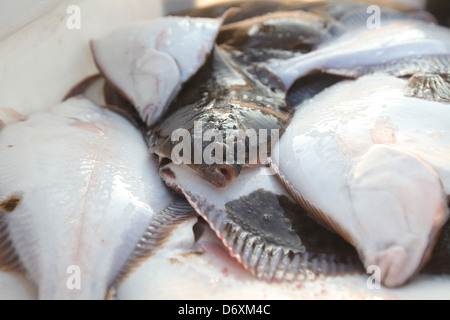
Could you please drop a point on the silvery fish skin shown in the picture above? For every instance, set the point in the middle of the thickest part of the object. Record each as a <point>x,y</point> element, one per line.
<point>399,48</point>
<point>221,98</point>
<point>263,228</point>
<point>77,190</point>
<point>374,166</point>
<point>149,61</point>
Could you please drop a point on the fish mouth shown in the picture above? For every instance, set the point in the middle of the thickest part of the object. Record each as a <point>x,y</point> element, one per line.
<point>219,176</point>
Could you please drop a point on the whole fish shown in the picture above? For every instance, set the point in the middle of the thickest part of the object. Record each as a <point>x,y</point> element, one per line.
<point>77,191</point>
<point>374,166</point>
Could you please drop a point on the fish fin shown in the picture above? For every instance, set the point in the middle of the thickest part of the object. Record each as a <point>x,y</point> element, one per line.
<point>438,263</point>
<point>307,87</point>
<point>156,234</point>
<point>9,259</point>
<point>399,68</point>
<point>434,87</point>
<point>269,261</point>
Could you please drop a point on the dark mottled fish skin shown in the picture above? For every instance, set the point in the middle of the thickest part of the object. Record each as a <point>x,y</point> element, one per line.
<point>307,87</point>
<point>280,221</point>
<point>263,228</point>
<point>116,102</point>
<point>278,241</point>
<point>295,31</point>
<point>440,9</point>
<point>440,259</point>
<point>222,97</point>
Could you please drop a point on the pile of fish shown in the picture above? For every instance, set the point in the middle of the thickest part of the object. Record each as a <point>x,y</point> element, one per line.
<point>282,142</point>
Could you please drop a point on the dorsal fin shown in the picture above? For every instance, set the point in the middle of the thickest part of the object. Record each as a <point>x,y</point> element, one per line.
<point>431,86</point>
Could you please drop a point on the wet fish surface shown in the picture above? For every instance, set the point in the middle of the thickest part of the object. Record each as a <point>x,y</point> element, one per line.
<point>400,48</point>
<point>360,144</point>
<point>147,62</point>
<point>223,99</point>
<point>77,191</point>
<point>263,228</point>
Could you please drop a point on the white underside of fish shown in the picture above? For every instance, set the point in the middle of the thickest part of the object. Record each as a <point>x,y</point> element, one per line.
<point>149,61</point>
<point>375,167</point>
<point>85,189</point>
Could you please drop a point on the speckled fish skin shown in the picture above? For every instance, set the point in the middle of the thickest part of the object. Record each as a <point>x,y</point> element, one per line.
<point>263,228</point>
<point>374,166</point>
<point>77,190</point>
<point>220,97</point>
<point>274,35</point>
<point>149,61</point>
<point>399,48</point>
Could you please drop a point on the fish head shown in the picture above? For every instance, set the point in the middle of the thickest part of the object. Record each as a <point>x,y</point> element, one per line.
<point>219,139</point>
<point>400,207</point>
<point>219,175</point>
